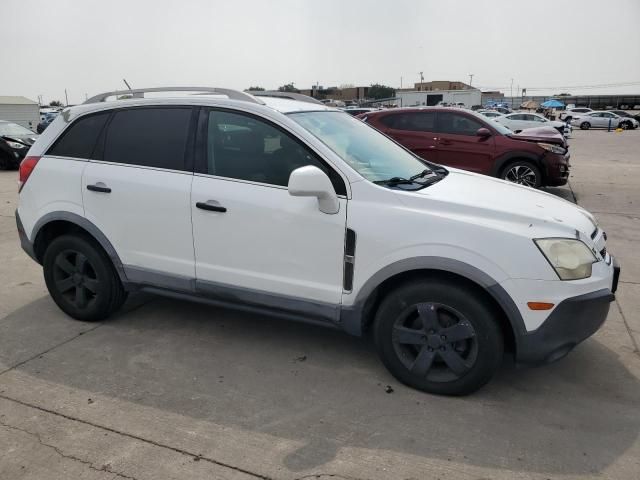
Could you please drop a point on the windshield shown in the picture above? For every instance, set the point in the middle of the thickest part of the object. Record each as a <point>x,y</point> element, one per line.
<point>13,129</point>
<point>369,152</point>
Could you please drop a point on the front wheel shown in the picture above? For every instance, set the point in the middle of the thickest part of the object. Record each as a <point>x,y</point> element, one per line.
<point>81,278</point>
<point>626,126</point>
<point>438,337</point>
<point>523,173</point>
<point>585,126</point>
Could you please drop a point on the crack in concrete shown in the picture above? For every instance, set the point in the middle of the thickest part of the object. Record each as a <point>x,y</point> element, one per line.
<point>104,468</point>
<point>194,456</point>
<point>19,364</point>
<point>636,350</point>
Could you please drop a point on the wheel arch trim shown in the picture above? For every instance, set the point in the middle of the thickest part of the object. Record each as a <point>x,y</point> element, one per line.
<point>353,316</point>
<point>87,226</point>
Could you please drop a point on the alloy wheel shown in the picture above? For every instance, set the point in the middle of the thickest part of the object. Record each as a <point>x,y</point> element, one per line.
<point>522,175</point>
<point>435,341</point>
<point>75,278</point>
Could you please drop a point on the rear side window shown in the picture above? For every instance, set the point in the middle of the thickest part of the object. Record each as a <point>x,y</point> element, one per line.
<point>79,140</point>
<point>149,137</point>
<point>413,121</point>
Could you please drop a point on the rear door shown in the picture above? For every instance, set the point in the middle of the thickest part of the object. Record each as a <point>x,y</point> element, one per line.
<point>413,130</point>
<point>137,192</point>
<point>459,146</point>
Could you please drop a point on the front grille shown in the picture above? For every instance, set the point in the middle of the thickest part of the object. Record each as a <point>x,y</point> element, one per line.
<point>603,252</point>
<point>594,234</point>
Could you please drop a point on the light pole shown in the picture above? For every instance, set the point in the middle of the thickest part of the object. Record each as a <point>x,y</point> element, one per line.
<point>470,78</point>
<point>512,94</point>
<point>421,80</point>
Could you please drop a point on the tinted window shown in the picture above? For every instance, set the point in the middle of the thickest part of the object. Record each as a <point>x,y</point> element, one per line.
<point>79,140</point>
<point>150,137</point>
<point>246,148</point>
<point>412,121</point>
<point>457,124</point>
<point>516,117</point>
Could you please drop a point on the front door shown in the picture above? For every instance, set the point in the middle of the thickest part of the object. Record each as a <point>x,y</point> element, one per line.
<point>459,146</point>
<point>253,241</point>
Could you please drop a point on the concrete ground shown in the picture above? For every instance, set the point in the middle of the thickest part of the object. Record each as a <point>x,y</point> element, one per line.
<point>169,389</point>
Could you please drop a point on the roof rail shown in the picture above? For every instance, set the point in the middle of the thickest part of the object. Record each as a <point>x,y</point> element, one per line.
<point>139,93</point>
<point>289,95</point>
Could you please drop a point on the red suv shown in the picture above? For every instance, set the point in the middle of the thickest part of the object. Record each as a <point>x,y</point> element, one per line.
<point>464,139</point>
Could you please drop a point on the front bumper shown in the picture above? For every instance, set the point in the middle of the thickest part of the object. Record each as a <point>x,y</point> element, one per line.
<point>571,322</point>
<point>557,169</point>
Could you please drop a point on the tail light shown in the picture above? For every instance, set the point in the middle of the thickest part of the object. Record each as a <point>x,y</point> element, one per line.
<point>26,168</point>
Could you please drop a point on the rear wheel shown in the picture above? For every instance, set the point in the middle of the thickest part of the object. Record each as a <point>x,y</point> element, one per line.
<point>438,337</point>
<point>626,125</point>
<point>81,278</point>
<point>585,126</point>
<point>523,173</point>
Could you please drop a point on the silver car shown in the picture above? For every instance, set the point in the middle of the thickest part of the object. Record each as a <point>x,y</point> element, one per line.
<point>603,120</point>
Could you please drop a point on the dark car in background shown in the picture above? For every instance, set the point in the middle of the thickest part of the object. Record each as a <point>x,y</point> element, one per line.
<point>467,140</point>
<point>15,141</point>
<point>46,121</point>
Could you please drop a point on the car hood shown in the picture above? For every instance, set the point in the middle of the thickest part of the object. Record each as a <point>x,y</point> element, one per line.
<point>485,200</point>
<point>24,139</point>
<point>545,134</point>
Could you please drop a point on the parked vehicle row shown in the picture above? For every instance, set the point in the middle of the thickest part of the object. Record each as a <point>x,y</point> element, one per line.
<point>243,200</point>
<point>520,121</point>
<point>468,140</point>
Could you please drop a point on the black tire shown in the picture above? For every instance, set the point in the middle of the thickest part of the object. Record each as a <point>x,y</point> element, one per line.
<point>626,125</point>
<point>522,172</point>
<point>585,126</point>
<point>423,313</point>
<point>81,278</point>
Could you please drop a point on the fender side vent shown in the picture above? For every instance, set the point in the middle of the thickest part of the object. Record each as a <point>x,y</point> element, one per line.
<point>349,260</point>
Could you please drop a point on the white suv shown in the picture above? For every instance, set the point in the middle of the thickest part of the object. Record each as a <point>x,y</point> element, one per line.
<point>297,209</point>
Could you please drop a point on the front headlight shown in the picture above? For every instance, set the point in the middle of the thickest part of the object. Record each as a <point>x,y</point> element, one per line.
<point>16,145</point>
<point>570,258</point>
<point>552,148</point>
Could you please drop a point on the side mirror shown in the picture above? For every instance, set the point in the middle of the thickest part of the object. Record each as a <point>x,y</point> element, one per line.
<point>310,181</point>
<point>483,132</point>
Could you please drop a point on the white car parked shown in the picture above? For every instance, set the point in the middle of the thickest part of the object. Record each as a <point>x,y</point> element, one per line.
<point>521,121</point>
<point>296,209</point>
<point>569,113</point>
<point>604,120</point>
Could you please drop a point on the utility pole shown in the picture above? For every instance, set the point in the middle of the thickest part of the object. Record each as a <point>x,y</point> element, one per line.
<point>470,78</point>
<point>66,97</point>
<point>400,83</point>
<point>421,80</point>
<point>512,94</point>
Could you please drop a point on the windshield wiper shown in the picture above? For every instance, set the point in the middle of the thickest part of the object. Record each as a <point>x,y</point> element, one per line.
<point>394,181</point>
<point>423,173</point>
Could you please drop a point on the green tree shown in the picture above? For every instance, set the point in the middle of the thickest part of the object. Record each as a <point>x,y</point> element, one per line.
<point>255,89</point>
<point>288,88</point>
<point>55,103</point>
<point>378,91</point>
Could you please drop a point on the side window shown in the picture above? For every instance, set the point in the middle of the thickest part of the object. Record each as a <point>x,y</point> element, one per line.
<point>412,121</point>
<point>149,137</point>
<point>535,118</point>
<point>391,121</point>
<point>516,117</point>
<point>457,124</point>
<point>79,140</point>
<point>244,147</point>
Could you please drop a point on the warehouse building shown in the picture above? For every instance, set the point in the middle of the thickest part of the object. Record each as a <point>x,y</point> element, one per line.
<point>20,110</point>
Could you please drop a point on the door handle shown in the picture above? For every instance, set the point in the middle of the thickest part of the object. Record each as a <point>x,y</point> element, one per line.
<point>211,205</point>
<point>99,187</point>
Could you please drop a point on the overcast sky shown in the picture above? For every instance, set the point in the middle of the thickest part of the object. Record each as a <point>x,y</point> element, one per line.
<point>88,46</point>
